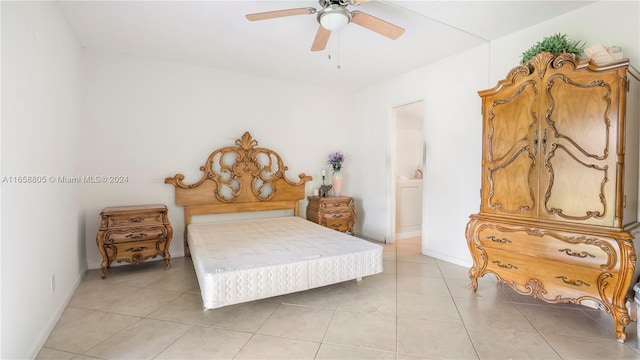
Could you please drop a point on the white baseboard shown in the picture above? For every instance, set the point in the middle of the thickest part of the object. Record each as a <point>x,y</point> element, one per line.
<point>53,320</point>
<point>447,258</point>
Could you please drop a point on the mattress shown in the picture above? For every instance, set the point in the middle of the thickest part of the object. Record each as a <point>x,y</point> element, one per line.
<point>247,260</point>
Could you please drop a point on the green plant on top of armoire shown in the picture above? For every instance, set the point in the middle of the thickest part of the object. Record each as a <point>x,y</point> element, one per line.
<point>555,44</point>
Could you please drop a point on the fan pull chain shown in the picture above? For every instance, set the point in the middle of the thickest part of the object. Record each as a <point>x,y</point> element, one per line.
<point>338,50</point>
<point>338,45</point>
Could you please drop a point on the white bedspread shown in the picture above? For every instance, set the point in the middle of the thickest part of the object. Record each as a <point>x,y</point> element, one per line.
<point>253,259</point>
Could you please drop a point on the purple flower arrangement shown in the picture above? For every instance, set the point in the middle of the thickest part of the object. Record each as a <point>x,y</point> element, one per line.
<point>335,160</point>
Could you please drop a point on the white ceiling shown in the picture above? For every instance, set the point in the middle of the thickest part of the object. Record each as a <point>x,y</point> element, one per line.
<point>216,34</point>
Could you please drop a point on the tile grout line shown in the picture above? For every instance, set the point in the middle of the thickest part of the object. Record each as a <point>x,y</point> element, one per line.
<point>395,263</point>
<point>464,324</point>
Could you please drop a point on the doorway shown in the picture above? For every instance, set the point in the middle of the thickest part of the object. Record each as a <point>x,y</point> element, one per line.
<point>408,170</point>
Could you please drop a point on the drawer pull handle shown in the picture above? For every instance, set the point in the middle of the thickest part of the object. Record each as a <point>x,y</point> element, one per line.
<point>138,249</point>
<point>136,220</point>
<point>572,282</point>
<point>336,204</point>
<point>496,240</point>
<point>136,236</point>
<point>507,266</point>
<point>583,254</point>
<point>336,216</point>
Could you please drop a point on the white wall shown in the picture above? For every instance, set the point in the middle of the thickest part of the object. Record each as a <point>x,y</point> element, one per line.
<point>454,148</point>
<point>611,23</point>
<point>452,169</point>
<point>41,232</point>
<point>149,120</point>
<point>453,123</point>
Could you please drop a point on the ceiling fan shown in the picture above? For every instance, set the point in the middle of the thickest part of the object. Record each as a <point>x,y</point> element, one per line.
<point>333,16</point>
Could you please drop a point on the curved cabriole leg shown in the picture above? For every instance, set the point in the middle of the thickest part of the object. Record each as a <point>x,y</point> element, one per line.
<point>619,309</point>
<point>167,256</point>
<point>474,280</point>
<point>105,258</point>
<point>621,319</point>
<point>103,266</point>
<point>471,236</point>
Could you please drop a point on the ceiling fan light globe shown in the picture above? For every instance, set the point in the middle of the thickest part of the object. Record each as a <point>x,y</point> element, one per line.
<point>334,18</point>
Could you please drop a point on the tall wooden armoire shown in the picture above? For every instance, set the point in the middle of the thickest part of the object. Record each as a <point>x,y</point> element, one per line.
<point>559,197</point>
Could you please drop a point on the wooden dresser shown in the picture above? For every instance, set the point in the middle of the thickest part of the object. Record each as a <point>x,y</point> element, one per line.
<point>559,196</point>
<point>134,234</point>
<point>335,212</point>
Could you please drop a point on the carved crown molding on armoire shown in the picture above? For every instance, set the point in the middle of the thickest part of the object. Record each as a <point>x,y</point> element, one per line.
<point>559,191</point>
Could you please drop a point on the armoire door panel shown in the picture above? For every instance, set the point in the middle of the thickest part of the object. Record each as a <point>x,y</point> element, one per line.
<point>511,121</point>
<point>512,186</point>
<point>576,190</point>
<point>585,118</point>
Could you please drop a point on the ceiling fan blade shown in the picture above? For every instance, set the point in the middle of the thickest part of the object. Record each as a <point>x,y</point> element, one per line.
<point>321,40</point>
<point>378,25</point>
<point>280,13</point>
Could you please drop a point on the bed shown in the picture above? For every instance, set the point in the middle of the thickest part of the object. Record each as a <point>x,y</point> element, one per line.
<point>244,260</point>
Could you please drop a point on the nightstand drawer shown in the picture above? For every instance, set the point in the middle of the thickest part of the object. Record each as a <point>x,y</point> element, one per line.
<point>135,234</point>
<point>336,215</point>
<point>136,252</point>
<point>335,205</point>
<point>340,225</point>
<point>135,219</point>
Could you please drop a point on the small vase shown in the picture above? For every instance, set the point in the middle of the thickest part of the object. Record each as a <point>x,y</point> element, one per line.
<point>336,183</point>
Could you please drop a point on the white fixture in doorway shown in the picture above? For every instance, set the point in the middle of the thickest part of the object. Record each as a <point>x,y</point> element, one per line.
<point>408,158</point>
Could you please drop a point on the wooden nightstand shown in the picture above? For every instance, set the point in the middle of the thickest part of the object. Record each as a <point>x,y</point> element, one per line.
<point>335,212</point>
<point>134,234</point>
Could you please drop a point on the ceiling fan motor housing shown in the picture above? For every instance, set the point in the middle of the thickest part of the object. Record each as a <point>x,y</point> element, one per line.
<point>334,16</point>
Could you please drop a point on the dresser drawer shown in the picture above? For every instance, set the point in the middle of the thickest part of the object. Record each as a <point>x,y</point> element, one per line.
<point>134,219</point>
<point>575,249</point>
<point>337,204</point>
<point>338,224</point>
<point>337,219</point>
<point>336,215</point>
<point>134,234</point>
<point>138,251</point>
<point>552,281</point>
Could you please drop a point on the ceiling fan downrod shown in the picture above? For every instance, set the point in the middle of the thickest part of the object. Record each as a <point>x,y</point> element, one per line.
<point>326,3</point>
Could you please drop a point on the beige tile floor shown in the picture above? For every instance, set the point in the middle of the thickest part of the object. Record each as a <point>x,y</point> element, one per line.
<point>419,308</point>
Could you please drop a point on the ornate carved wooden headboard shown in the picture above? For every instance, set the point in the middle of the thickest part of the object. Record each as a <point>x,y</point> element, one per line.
<point>239,178</point>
